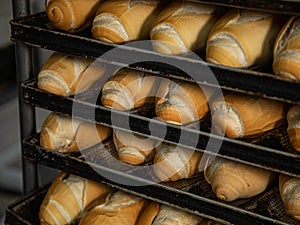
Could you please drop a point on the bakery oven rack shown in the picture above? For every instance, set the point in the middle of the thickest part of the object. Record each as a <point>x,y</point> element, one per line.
<point>35,30</point>
<point>193,195</point>
<point>272,152</point>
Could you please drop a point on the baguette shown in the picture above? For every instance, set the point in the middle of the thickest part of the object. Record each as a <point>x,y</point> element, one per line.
<point>156,214</point>
<point>66,75</point>
<point>289,189</point>
<point>243,38</point>
<point>181,102</point>
<point>183,26</point>
<point>239,115</point>
<point>172,163</point>
<point>71,15</point>
<point>293,129</point>
<point>121,21</point>
<point>133,149</point>
<point>287,50</point>
<point>67,199</point>
<point>232,180</point>
<point>63,134</point>
<point>128,89</point>
<point>118,209</point>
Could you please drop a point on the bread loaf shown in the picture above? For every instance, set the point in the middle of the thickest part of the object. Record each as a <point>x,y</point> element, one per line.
<point>293,129</point>
<point>128,89</point>
<point>71,15</point>
<point>240,116</point>
<point>243,38</point>
<point>63,134</point>
<point>173,163</point>
<point>155,214</point>
<point>289,188</point>
<point>287,50</point>
<point>118,21</point>
<point>181,102</point>
<point>183,26</point>
<point>232,180</point>
<point>67,199</point>
<point>133,149</point>
<point>119,209</point>
<point>65,75</point>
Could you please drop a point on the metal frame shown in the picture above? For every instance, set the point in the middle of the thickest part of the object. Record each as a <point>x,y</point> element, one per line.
<point>25,59</point>
<point>24,70</point>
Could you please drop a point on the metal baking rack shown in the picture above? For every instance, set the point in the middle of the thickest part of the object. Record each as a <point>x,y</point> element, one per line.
<point>35,31</point>
<point>192,195</point>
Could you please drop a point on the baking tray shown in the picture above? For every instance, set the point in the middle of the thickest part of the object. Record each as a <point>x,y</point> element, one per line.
<point>271,151</point>
<point>288,7</point>
<point>192,195</point>
<point>36,30</point>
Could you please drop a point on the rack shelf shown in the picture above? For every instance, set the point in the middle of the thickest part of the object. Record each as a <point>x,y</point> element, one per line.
<point>193,195</point>
<point>272,151</point>
<point>272,156</point>
<point>35,30</point>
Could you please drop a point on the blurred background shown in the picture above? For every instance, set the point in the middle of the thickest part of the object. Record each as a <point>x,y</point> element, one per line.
<point>10,148</point>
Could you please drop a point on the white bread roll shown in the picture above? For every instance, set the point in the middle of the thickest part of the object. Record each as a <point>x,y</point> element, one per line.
<point>119,209</point>
<point>71,15</point>
<point>287,50</point>
<point>133,149</point>
<point>173,163</point>
<point>293,129</point>
<point>155,214</point>
<point>183,26</point>
<point>243,38</point>
<point>63,134</point>
<point>65,75</point>
<point>181,102</point>
<point>118,21</point>
<point>232,180</point>
<point>128,89</point>
<point>68,198</point>
<point>239,115</point>
<point>289,188</point>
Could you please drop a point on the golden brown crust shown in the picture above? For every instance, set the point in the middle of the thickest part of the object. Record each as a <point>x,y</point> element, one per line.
<point>148,214</point>
<point>120,208</point>
<point>287,50</point>
<point>232,180</point>
<point>233,34</point>
<point>293,129</point>
<point>181,102</point>
<point>68,197</point>
<point>133,149</point>
<point>242,115</point>
<point>183,26</point>
<point>63,133</point>
<point>71,15</point>
<point>116,21</point>
<point>66,75</point>
<point>289,188</point>
<point>173,163</point>
<point>128,89</point>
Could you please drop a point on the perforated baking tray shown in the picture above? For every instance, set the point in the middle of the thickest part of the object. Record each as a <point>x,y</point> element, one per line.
<point>192,195</point>
<point>271,151</point>
<point>36,30</point>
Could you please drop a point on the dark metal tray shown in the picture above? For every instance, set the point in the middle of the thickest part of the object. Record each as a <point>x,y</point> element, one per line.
<point>289,7</point>
<point>37,31</point>
<point>271,151</point>
<point>192,195</point>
